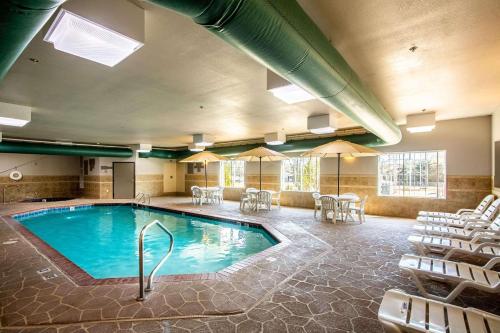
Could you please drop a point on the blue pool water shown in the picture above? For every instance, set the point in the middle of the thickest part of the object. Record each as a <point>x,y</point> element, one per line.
<point>102,240</point>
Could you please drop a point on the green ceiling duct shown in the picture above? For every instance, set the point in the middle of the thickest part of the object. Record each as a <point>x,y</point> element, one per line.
<point>75,150</point>
<point>368,139</point>
<point>280,35</point>
<point>20,21</point>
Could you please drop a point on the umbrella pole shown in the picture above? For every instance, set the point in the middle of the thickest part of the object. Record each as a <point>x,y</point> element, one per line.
<point>206,178</point>
<point>260,173</point>
<point>338,174</point>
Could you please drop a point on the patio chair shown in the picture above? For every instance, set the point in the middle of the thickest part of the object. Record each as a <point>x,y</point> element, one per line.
<point>359,210</point>
<point>317,202</point>
<point>401,312</point>
<point>219,195</point>
<point>245,197</point>
<point>197,195</point>
<point>329,205</point>
<point>264,199</point>
<point>460,274</point>
<point>480,209</point>
<point>487,216</point>
<point>276,197</point>
<point>484,245</point>
<point>470,230</point>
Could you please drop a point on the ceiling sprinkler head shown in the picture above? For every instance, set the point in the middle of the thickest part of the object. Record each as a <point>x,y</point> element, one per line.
<point>413,48</point>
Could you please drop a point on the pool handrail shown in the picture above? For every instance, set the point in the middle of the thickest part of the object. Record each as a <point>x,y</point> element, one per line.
<point>142,197</point>
<point>149,286</point>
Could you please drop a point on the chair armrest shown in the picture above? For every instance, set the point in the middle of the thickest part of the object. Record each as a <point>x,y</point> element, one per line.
<point>490,264</point>
<point>487,237</point>
<point>464,210</point>
<point>476,225</point>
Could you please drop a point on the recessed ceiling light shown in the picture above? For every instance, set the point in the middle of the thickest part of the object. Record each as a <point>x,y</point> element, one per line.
<point>81,37</point>
<point>195,148</point>
<point>320,124</point>
<point>421,122</point>
<point>14,115</point>
<point>143,147</point>
<point>286,91</point>
<point>275,138</point>
<point>203,140</point>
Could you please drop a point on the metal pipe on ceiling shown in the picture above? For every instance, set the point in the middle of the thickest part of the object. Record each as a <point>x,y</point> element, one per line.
<point>281,36</point>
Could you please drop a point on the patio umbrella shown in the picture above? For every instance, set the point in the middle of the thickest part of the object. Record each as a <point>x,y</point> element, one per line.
<point>338,149</point>
<point>204,157</point>
<point>261,154</point>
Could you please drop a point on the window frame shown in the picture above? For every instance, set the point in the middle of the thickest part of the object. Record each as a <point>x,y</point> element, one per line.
<point>445,167</point>
<point>318,174</point>
<point>222,179</point>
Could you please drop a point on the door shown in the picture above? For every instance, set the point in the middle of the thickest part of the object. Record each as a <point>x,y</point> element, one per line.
<point>123,180</point>
<point>169,179</point>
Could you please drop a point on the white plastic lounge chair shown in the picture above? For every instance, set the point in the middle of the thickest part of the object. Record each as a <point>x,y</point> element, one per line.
<point>464,211</point>
<point>484,245</point>
<point>401,312</point>
<point>461,274</point>
<point>317,202</point>
<point>276,197</point>
<point>470,230</point>
<point>487,216</point>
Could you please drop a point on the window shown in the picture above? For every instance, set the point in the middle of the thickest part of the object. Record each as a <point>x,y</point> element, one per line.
<point>413,174</point>
<point>232,174</point>
<point>300,174</point>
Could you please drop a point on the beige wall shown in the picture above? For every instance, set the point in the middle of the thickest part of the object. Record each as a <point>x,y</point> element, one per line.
<point>495,136</point>
<point>468,148</point>
<point>44,176</point>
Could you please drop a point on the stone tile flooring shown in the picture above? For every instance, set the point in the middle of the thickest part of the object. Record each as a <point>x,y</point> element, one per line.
<point>330,278</point>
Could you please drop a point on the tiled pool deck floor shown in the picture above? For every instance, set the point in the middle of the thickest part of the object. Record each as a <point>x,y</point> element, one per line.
<point>328,278</point>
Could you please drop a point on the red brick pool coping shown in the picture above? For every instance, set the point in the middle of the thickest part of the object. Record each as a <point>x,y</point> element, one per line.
<point>82,278</point>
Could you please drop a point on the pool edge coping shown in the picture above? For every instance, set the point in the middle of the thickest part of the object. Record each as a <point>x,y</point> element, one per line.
<point>81,278</point>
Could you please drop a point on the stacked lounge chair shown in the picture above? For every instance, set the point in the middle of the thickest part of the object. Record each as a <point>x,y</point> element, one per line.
<point>447,234</point>
<point>488,216</point>
<point>480,209</point>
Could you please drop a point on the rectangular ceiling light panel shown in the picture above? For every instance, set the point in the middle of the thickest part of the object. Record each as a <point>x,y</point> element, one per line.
<point>286,91</point>
<point>421,122</point>
<point>275,138</point>
<point>320,124</point>
<point>83,38</point>
<point>14,115</point>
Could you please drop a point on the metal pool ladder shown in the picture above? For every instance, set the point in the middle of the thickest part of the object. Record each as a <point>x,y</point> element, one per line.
<point>149,286</point>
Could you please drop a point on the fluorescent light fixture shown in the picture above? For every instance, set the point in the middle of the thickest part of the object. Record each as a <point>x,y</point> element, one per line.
<point>195,148</point>
<point>14,115</point>
<point>291,94</point>
<point>143,147</point>
<point>83,38</point>
<point>320,124</point>
<point>275,138</point>
<point>286,91</point>
<point>203,140</point>
<point>421,122</point>
<point>0,136</point>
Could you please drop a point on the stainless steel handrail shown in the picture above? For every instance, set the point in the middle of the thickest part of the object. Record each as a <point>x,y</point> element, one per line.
<point>143,198</point>
<point>149,286</point>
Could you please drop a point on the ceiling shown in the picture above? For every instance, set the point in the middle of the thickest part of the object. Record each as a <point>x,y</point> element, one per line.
<point>156,95</point>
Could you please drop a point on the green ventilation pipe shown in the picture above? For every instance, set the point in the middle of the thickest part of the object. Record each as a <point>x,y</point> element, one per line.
<point>280,35</point>
<point>48,149</point>
<point>368,139</point>
<point>20,21</point>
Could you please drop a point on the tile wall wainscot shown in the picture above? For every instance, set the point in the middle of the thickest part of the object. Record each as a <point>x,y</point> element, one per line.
<point>38,187</point>
<point>150,184</point>
<point>98,187</point>
<point>462,191</point>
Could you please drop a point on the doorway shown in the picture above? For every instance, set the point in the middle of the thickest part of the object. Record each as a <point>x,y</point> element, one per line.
<point>123,180</point>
